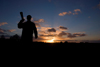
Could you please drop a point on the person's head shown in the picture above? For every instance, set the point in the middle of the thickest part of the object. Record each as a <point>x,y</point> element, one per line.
<point>29,17</point>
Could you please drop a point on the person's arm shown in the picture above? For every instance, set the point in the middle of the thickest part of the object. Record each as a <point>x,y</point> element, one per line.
<point>20,24</point>
<point>35,32</point>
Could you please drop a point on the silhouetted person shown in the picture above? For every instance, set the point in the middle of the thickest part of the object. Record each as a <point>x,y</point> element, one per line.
<point>28,29</point>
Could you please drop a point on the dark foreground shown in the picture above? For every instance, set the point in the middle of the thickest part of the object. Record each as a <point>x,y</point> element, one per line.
<point>41,45</point>
<point>39,48</point>
<point>49,51</point>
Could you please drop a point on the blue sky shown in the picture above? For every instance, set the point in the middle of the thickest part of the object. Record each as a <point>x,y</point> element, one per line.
<point>74,16</point>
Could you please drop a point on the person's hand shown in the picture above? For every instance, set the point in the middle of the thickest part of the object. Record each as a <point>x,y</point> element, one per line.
<point>23,20</point>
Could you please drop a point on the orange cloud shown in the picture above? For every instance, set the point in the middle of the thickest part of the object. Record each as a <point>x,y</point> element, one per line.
<point>42,32</point>
<point>97,6</point>
<point>38,21</point>
<point>69,13</point>
<point>75,13</point>
<point>63,13</point>
<point>12,30</point>
<point>44,28</point>
<point>3,23</point>
<point>2,31</point>
<point>77,10</point>
<point>37,25</point>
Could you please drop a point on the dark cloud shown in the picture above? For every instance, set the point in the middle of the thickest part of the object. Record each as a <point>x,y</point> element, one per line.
<point>3,31</point>
<point>82,35</point>
<point>79,34</point>
<point>69,35</point>
<point>49,35</point>
<point>61,34</point>
<point>62,28</point>
<point>51,30</point>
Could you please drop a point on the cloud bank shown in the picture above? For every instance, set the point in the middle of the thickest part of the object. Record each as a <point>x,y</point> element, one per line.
<point>3,23</point>
<point>75,12</point>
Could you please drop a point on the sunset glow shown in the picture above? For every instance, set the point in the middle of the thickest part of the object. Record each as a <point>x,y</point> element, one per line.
<point>55,20</point>
<point>51,41</point>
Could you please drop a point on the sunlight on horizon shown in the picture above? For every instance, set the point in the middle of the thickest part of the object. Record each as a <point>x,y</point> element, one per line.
<point>51,41</point>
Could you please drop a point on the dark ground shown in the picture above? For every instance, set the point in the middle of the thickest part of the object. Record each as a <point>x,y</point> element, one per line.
<point>38,50</point>
<point>11,50</point>
<point>12,44</point>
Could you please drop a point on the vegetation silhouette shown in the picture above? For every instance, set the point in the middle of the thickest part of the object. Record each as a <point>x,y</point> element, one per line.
<point>28,28</point>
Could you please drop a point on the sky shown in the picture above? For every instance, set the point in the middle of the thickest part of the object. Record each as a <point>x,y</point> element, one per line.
<point>56,20</point>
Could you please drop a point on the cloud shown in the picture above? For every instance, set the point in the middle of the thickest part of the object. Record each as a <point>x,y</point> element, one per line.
<point>49,35</point>
<point>37,25</point>
<point>51,30</point>
<point>82,35</point>
<point>3,23</point>
<point>77,10</point>
<point>39,21</point>
<point>42,32</point>
<point>2,31</point>
<point>12,30</point>
<point>62,28</point>
<point>75,13</point>
<point>62,34</point>
<point>97,6</point>
<point>31,19</point>
<point>44,28</point>
<point>79,34</point>
<point>69,13</point>
<point>65,13</point>
<point>71,35</point>
<point>39,39</point>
